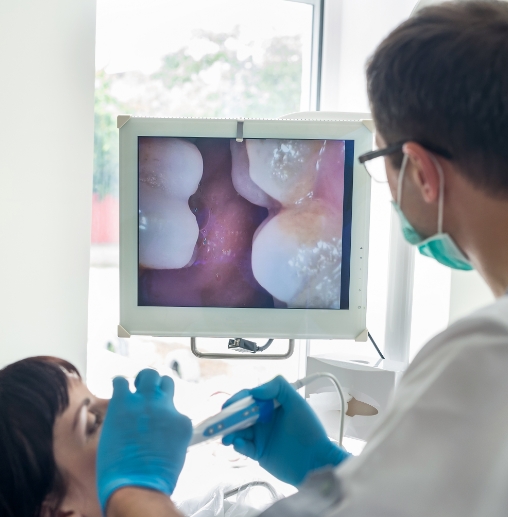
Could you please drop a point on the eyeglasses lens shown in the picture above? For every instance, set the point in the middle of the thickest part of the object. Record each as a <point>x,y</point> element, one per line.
<point>377,169</point>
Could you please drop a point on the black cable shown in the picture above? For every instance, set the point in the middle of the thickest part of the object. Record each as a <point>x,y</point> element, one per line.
<point>375,346</point>
<point>265,346</point>
<point>242,345</point>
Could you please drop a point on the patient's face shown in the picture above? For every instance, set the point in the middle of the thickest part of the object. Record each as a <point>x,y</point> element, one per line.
<point>75,439</point>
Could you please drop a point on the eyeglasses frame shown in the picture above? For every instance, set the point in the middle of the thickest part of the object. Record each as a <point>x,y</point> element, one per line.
<point>393,148</point>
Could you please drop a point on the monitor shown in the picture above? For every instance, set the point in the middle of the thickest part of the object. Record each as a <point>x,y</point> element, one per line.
<point>243,228</point>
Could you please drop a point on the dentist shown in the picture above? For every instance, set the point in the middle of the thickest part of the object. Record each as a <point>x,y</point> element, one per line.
<point>438,88</point>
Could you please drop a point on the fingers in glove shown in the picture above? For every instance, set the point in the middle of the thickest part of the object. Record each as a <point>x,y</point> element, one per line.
<point>245,447</point>
<point>185,427</point>
<point>236,397</point>
<point>120,387</point>
<point>147,381</point>
<point>168,387</point>
<point>277,389</point>
<point>245,434</point>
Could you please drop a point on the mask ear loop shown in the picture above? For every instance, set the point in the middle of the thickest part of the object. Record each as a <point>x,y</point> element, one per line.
<point>401,179</point>
<point>441,193</point>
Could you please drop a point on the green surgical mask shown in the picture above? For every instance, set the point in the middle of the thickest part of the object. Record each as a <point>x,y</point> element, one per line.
<point>440,246</point>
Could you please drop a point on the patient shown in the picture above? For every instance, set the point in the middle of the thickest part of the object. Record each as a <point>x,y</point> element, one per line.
<point>49,430</point>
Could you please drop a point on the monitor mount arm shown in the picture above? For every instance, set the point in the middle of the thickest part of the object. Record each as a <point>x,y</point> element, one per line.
<point>246,346</point>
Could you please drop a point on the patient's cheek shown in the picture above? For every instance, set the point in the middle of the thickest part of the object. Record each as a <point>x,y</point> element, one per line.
<point>169,173</point>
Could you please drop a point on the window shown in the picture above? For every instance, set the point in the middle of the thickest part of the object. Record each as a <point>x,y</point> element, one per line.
<point>202,58</point>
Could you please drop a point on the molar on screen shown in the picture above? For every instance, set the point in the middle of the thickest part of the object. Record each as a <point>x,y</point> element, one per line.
<point>285,169</point>
<point>170,170</point>
<point>297,256</point>
<point>321,266</point>
<point>245,186</point>
<point>242,180</point>
<point>297,252</point>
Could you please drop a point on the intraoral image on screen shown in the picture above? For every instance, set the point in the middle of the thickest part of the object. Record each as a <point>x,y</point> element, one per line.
<point>262,223</point>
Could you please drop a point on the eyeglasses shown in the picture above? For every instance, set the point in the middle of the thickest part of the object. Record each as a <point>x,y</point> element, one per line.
<point>374,161</point>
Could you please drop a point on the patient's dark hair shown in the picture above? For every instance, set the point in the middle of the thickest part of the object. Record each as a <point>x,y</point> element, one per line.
<point>33,392</point>
<point>441,79</point>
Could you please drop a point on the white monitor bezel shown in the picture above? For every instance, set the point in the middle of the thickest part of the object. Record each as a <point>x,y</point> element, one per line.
<point>251,322</point>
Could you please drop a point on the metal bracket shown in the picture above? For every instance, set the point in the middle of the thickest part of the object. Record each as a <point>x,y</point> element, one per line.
<point>362,336</point>
<point>258,356</point>
<point>239,130</point>
<point>369,124</point>
<point>122,332</point>
<point>121,120</point>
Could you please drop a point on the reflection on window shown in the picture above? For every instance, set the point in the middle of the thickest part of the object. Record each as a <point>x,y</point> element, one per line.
<point>199,58</point>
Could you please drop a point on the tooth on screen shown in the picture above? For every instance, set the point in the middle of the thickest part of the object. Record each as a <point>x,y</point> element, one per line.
<point>170,170</point>
<point>241,179</point>
<point>297,255</point>
<point>285,169</point>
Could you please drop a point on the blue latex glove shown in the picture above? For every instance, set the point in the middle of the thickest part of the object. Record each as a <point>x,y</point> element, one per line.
<point>293,442</point>
<point>144,439</point>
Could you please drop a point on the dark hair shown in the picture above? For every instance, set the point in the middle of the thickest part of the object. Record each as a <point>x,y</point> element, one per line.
<point>33,392</point>
<point>441,78</point>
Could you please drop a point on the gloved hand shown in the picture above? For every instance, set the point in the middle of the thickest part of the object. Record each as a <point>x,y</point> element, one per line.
<point>293,442</point>
<point>144,438</point>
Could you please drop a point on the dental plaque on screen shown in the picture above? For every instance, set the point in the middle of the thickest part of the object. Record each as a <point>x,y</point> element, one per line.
<point>170,170</point>
<point>297,250</point>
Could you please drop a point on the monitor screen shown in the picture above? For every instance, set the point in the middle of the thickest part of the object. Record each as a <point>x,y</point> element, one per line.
<point>261,223</point>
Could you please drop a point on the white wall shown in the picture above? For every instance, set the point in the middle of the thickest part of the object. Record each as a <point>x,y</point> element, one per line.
<point>46,160</point>
<point>353,29</point>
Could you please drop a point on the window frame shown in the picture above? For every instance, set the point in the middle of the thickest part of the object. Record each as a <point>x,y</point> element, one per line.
<point>316,51</point>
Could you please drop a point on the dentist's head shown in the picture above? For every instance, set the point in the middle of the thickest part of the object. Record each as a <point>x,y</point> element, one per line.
<point>438,87</point>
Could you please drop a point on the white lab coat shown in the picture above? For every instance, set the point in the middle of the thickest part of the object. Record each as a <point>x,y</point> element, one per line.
<point>442,449</point>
